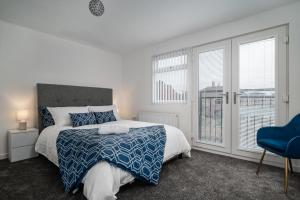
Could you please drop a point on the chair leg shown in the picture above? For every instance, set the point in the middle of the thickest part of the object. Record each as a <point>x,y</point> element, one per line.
<point>286,174</point>
<point>291,166</point>
<point>260,162</point>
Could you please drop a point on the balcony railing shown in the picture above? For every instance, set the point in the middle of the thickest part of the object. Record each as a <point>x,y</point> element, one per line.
<point>256,111</point>
<point>211,119</point>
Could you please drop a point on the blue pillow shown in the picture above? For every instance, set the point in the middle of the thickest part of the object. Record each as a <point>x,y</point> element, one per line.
<point>103,117</point>
<point>46,117</point>
<point>81,119</point>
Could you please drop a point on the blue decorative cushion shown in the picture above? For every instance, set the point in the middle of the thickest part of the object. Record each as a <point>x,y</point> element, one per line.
<point>103,117</point>
<point>81,119</point>
<point>46,117</point>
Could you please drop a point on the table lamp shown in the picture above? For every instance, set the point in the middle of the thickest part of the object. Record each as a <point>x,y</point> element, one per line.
<point>22,116</point>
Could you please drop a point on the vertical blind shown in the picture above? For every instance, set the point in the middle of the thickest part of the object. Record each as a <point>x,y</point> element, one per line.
<point>170,73</point>
<point>257,86</point>
<point>210,66</point>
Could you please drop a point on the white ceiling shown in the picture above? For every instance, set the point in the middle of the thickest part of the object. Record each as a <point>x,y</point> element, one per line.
<point>128,24</point>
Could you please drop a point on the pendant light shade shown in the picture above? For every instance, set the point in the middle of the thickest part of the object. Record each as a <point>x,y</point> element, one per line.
<point>96,7</point>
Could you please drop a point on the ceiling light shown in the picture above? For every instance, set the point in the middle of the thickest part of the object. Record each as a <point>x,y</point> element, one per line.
<point>96,7</point>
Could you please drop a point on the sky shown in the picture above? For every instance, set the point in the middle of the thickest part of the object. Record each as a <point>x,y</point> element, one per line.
<point>256,66</point>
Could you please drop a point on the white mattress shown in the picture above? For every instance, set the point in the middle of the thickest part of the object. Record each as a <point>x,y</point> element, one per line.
<point>103,180</point>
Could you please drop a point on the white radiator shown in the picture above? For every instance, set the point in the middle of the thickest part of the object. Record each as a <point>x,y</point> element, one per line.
<point>160,118</point>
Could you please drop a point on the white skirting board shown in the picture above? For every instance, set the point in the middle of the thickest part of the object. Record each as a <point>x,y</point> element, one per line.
<point>171,119</point>
<point>3,156</point>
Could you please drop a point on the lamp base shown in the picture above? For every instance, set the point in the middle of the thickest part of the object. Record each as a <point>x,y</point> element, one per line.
<point>22,125</point>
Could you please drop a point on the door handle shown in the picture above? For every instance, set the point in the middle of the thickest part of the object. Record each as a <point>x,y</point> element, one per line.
<point>226,94</point>
<point>235,94</point>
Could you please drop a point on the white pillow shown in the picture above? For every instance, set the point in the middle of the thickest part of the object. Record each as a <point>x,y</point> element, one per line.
<point>61,115</point>
<point>105,109</point>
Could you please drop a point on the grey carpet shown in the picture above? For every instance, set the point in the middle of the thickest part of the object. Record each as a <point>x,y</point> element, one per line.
<point>204,176</point>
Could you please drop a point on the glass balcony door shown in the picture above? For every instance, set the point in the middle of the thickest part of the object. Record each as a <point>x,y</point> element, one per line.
<point>212,71</point>
<point>239,86</point>
<point>258,87</point>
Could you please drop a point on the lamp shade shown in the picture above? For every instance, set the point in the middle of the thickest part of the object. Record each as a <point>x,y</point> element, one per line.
<point>22,115</point>
<point>96,7</point>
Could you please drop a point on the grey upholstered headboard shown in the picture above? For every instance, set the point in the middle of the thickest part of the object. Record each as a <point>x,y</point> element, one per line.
<point>63,95</point>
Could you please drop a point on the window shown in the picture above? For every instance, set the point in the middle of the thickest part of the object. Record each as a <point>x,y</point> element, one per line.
<point>170,77</point>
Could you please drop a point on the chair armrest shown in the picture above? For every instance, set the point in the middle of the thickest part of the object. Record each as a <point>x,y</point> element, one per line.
<point>273,132</point>
<point>293,147</point>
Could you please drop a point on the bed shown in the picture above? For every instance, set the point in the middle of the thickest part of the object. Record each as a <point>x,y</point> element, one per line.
<point>103,180</point>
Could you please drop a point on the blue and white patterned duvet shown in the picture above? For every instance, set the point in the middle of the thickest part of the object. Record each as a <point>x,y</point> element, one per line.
<point>139,152</point>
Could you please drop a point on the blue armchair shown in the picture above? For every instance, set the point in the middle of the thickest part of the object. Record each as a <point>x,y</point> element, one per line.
<point>283,141</point>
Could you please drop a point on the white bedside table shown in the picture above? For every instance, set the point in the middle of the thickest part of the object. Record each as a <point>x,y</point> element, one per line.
<point>21,144</point>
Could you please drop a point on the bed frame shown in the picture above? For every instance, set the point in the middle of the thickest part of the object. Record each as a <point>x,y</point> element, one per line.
<point>65,95</point>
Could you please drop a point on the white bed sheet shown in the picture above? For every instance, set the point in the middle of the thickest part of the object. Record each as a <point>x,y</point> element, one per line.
<point>103,181</point>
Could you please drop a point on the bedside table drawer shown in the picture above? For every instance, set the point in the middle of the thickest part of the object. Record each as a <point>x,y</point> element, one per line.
<point>23,139</point>
<point>22,153</point>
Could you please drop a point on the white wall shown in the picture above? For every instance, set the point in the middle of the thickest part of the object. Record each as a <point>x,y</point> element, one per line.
<point>28,57</point>
<point>137,75</point>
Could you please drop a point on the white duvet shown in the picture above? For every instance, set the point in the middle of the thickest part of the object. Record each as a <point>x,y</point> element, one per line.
<point>102,182</point>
